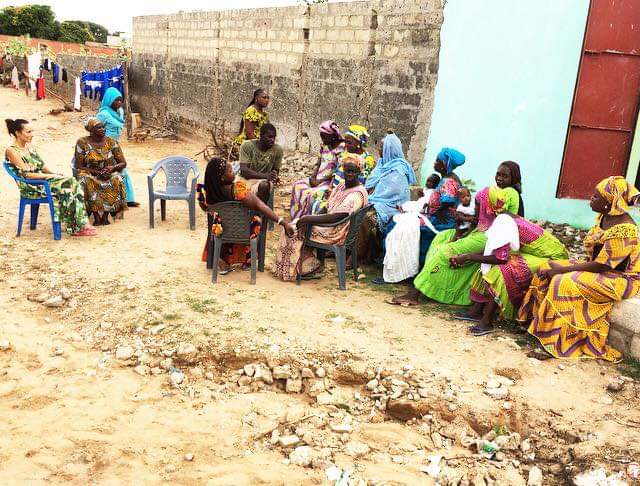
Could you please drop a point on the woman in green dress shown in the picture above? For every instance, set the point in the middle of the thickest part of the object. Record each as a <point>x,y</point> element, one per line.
<point>66,191</point>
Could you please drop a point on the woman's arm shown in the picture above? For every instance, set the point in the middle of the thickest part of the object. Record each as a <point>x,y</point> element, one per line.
<point>121,162</point>
<point>249,129</point>
<point>253,202</point>
<point>17,161</point>
<point>462,259</point>
<point>328,218</point>
<point>313,180</point>
<point>592,267</point>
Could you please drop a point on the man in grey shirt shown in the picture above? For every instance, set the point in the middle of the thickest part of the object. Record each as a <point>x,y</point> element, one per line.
<point>260,162</point>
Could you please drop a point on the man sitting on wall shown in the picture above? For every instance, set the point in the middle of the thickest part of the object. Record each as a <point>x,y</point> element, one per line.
<point>260,162</point>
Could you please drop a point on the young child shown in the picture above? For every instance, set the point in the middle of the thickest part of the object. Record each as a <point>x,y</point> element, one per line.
<point>422,204</point>
<point>465,213</point>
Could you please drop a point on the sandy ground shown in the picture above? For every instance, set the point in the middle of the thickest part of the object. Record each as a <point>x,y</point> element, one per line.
<point>73,413</point>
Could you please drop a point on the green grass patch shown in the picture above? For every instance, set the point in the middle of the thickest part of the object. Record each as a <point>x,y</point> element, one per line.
<point>173,316</point>
<point>204,306</point>
<point>630,367</point>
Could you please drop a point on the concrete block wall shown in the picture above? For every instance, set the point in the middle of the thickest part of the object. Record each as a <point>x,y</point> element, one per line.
<point>373,63</point>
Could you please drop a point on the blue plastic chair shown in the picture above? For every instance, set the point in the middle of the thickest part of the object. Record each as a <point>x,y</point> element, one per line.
<point>35,203</point>
<point>176,169</point>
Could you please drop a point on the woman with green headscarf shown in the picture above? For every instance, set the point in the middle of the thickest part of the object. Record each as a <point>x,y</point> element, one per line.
<point>111,113</point>
<point>437,280</point>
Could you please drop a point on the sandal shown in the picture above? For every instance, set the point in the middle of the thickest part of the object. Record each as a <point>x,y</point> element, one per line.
<point>466,317</point>
<point>538,354</point>
<point>394,301</point>
<point>86,231</point>
<point>379,281</point>
<point>481,331</point>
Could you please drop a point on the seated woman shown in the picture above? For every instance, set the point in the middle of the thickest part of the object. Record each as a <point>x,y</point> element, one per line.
<point>569,302</point>
<point>437,280</point>
<point>111,114</point>
<point>507,267</point>
<point>389,185</point>
<point>66,192</point>
<point>100,161</point>
<point>348,197</point>
<point>254,117</point>
<point>303,191</point>
<point>219,186</point>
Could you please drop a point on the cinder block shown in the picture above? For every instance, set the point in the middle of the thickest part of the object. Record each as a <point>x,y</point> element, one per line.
<point>342,21</point>
<point>347,35</point>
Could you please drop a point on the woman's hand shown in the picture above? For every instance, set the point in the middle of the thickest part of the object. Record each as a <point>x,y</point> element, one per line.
<point>549,273</point>
<point>458,261</point>
<point>313,181</point>
<point>289,229</point>
<point>301,222</point>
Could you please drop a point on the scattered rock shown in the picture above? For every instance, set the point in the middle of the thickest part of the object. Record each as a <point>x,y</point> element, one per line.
<point>5,345</point>
<point>244,381</point>
<point>157,329</point>
<point>281,373</point>
<point>407,409</point>
<point>294,385</point>
<point>307,373</point>
<point>176,377</point>
<point>56,301</point>
<point>187,352</point>
<point>169,468</point>
<point>263,374</point>
<point>65,293</point>
<point>535,477</point>
<point>615,386</point>
<point>249,369</point>
<point>43,297</point>
<point>166,364</point>
<point>497,393</point>
<point>301,456</point>
<point>289,440</point>
<point>342,428</point>
<point>142,370</point>
<point>321,372</point>
<point>124,353</point>
<point>188,457</point>
<point>325,399</point>
<point>372,385</point>
<point>356,449</point>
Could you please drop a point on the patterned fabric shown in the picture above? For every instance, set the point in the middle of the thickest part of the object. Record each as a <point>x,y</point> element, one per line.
<point>258,118</point>
<point>618,193</point>
<point>486,214</point>
<point>302,194</point>
<point>101,195</point>
<point>569,312</point>
<point>67,193</point>
<point>291,260</point>
<point>232,253</point>
<point>446,193</point>
<point>508,282</point>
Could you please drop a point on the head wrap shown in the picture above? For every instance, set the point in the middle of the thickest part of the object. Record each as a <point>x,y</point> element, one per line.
<point>618,193</point>
<point>358,132</point>
<point>452,158</point>
<point>213,181</point>
<point>113,120</point>
<point>392,160</point>
<point>330,127</point>
<point>91,122</point>
<point>355,159</point>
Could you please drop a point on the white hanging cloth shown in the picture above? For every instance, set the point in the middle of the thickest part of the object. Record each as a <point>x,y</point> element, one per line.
<point>33,68</point>
<point>76,99</point>
<point>15,79</point>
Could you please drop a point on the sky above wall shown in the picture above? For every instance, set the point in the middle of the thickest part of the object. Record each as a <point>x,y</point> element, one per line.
<point>116,15</point>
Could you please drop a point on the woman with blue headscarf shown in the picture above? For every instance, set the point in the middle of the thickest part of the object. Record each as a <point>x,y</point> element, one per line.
<point>388,184</point>
<point>111,114</point>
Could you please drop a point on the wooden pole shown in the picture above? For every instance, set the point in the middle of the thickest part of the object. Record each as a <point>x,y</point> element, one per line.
<point>127,104</point>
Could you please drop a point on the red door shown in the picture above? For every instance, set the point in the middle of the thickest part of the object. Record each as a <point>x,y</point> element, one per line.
<point>605,104</point>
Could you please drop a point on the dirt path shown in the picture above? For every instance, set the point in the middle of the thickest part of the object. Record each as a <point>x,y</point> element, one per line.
<point>74,412</point>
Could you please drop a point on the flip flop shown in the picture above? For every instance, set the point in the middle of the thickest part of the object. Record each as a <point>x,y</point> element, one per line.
<point>465,317</point>
<point>479,331</point>
<point>225,272</point>
<point>401,304</point>
<point>379,281</point>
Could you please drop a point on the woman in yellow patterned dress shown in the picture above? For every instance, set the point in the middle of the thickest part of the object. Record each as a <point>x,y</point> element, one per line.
<point>569,302</point>
<point>254,117</point>
<point>100,161</point>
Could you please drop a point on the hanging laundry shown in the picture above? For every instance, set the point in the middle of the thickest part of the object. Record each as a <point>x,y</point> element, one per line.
<point>56,72</point>
<point>64,75</point>
<point>40,89</point>
<point>76,98</point>
<point>15,79</point>
<point>33,68</point>
<point>47,64</point>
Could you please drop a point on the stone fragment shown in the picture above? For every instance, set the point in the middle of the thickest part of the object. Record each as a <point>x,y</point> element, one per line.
<point>301,456</point>
<point>124,353</point>
<point>5,345</point>
<point>307,373</point>
<point>535,477</point>
<point>372,385</point>
<point>187,352</point>
<point>245,381</point>
<point>289,440</point>
<point>189,457</point>
<point>342,428</point>
<point>166,364</point>
<point>142,370</point>
<point>325,399</point>
<point>615,386</point>
<point>65,293</point>
<point>249,369</point>
<point>294,385</point>
<point>263,374</point>
<point>157,329</point>
<point>176,377</point>
<point>56,301</point>
<point>356,449</point>
<point>281,372</point>
<point>321,372</point>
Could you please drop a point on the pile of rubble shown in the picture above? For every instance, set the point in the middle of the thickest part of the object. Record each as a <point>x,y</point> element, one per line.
<point>570,237</point>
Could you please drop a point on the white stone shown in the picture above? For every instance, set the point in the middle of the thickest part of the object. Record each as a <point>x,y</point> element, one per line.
<point>626,315</point>
<point>188,457</point>
<point>321,372</point>
<point>497,393</point>
<point>56,301</point>
<point>507,405</point>
<point>142,370</point>
<point>342,428</point>
<point>372,385</point>
<point>535,477</point>
<point>493,383</point>
<point>325,399</point>
<point>124,353</point>
<point>249,369</point>
<point>187,352</point>
<point>294,385</point>
<point>356,449</point>
<point>245,381</point>
<point>263,374</point>
<point>176,377</point>
<point>281,373</point>
<point>166,364</point>
<point>289,440</point>
<point>301,456</point>
<point>5,345</point>
<point>157,329</point>
<point>169,468</point>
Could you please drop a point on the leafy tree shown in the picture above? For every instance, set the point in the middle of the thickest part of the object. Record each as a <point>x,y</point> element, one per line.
<point>35,20</point>
<point>98,32</point>
<point>72,32</point>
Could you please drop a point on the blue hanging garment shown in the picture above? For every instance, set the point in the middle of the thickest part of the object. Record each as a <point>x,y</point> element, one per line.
<point>56,73</point>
